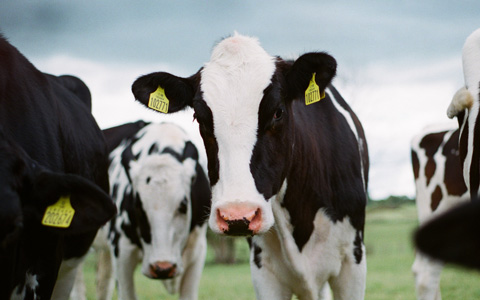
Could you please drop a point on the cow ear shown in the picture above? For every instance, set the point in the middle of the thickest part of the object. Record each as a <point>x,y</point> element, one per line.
<point>453,237</point>
<point>92,207</point>
<point>318,65</point>
<point>178,91</point>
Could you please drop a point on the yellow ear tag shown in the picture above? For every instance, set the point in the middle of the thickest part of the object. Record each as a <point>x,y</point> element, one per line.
<point>59,214</point>
<point>158,101</point>
<point>312,93</point>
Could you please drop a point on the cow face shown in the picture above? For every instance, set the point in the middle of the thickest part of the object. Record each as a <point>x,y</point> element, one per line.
<point>242,100</point>
<point>162,187</point>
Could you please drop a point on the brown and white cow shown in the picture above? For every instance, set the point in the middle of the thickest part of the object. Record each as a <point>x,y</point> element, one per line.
<point>293,176</point>
<point>439,187</point>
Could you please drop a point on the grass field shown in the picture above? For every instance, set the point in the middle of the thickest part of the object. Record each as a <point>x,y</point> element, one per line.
<point>390,255</point>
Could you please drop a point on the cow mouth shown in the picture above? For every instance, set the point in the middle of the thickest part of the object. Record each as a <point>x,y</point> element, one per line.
<point>245,226</point>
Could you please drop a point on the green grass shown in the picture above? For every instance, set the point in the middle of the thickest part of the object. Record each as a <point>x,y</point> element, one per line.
<point>390,255</point>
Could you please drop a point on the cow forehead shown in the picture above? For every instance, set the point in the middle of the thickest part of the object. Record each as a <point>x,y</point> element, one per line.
<point>234,79</point>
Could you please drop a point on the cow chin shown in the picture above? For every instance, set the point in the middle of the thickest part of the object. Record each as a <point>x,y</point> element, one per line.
<point>240,218</point>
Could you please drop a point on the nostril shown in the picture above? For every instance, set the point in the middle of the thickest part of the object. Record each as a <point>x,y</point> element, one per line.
<point>162,270</point>
<point>239,221</point>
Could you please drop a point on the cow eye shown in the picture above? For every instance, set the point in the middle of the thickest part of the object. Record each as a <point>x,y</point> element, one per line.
<point>278,114</point>
<point>148,179</point>
<point>183,206</point>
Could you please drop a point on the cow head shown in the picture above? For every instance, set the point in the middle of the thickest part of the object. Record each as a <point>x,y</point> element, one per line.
<point>465,105</point>
<point>242,100</point>
<point>161,186</point>
<point>28,189</point>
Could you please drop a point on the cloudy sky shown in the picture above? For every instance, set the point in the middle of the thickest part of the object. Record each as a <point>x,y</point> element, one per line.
<point>399,62</point>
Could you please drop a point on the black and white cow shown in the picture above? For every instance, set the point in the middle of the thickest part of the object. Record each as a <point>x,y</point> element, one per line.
<point>439,187</point>
<point>454,236</point>
<point>163,200</point>
<point>465,106</point>
<point>53,179</point>
<point>293,176</point>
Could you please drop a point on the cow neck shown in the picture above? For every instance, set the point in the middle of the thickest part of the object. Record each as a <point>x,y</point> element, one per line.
<point>317,175</point>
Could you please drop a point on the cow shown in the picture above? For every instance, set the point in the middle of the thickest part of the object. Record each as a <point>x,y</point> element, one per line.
<point>287,163</point>
<point>465,106</point>
<point>439,187</point>
<point>53,179</point>
<point>453,236</point>
<point>163,200</point>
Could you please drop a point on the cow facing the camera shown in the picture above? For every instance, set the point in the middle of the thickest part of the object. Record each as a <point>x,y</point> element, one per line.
<point>163,199</point>
<point>287,162</point>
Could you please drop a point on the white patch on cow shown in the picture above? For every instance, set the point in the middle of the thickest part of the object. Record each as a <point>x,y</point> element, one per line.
<point>461,100</point>
<point>471,71</point>
<point>169,184</point>
<point>233,83</point>
<point>353,128</point>
<point>31,282</point>
<point>326,257</point>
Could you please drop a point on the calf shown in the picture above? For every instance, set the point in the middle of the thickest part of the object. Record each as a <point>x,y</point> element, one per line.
<point>439,186</point>
<point>53,179</point>
<point>287,162</point>
<point>163,199</point>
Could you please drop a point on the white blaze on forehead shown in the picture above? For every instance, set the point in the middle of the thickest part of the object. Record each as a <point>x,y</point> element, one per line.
<point>233,83</point>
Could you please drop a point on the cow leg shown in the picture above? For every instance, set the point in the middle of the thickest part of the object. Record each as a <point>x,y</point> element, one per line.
<point>267,286</point>
<point>105,281</point>
<point>350,282</point>
<point>79,292</point>
<point>427,277</point>
<point>125,265</point>
<point>66,278</point>
<point>195,252</point>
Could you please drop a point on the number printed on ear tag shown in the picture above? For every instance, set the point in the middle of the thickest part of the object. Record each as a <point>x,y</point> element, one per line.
<point>312,93</point>
<point>159,101</point>
<point>59,214</point>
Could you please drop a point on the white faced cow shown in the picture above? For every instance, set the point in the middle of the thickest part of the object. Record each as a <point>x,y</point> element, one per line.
<point>439,187</point>
<point>53,179</point>
<point>293,176</point>
<point>163,200</point>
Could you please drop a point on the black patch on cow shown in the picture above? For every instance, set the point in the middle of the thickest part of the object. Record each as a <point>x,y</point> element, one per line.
<point>153,149</point>
<point>190,151</point>
<point>204,116</point>
<point>130,227</point>
<point>257,258</point>
<point>453,167</point>
<point>201,197</point>
<point>437,196</point>
<point>415,164</point>
<point>431,143</point>
<point>114,191</point>
<point>115,135</point>
<point>475,164</point>
<point>175,154</point>
<point>357,250</point>
<point>142,221</point>
<point>182,208</point>
<point>326,170</point>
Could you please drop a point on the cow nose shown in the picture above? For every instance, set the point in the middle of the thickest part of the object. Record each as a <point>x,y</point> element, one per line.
<point>239,221</point>
<point>162,270</point>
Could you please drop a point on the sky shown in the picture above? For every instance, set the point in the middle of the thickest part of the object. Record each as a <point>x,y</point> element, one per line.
<point>399,62</point>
